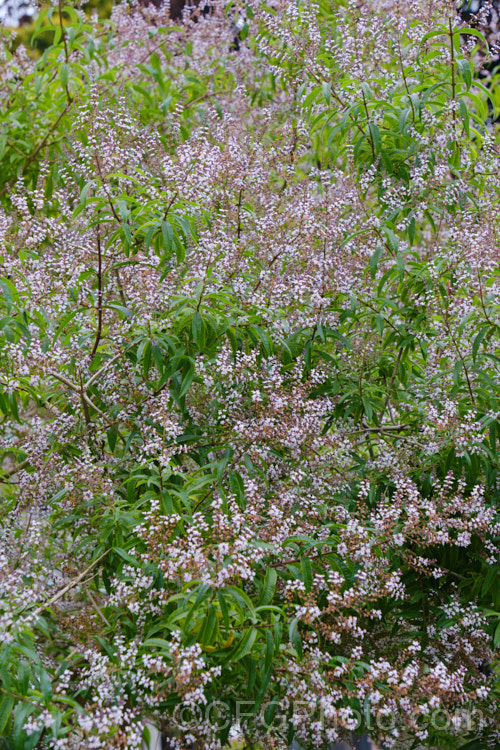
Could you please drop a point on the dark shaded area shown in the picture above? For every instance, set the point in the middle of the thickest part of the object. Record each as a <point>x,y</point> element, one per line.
<point>177,6</point>
<point>196,8</point>
<point>357,743</point>
<point>487,21</point>
<point>484,15</point>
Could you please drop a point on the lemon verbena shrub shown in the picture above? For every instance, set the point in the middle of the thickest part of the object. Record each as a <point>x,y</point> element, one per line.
<point>249,379</point>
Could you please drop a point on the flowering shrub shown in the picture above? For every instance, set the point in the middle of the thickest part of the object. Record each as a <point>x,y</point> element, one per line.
<point>250,379</point>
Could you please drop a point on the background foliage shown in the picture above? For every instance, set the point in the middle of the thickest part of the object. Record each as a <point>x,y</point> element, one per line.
<point>250,378</point>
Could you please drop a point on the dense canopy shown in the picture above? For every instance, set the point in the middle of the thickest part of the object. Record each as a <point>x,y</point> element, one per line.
<point>250,378</point>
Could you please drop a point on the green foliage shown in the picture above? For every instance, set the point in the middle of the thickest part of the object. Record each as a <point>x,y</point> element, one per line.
<point>250,363</point>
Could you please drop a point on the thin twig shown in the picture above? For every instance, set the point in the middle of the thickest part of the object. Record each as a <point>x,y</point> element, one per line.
<point>99,295</point>
<point>96,606</point>
<point>11,472</point>
<point>393,377</point>
<point>102,369</point>
<point>207,96</point>
<point>85,399</point>
<point>66,51</point>
<point>38,148</point>
<point>74,582</point>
